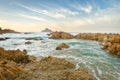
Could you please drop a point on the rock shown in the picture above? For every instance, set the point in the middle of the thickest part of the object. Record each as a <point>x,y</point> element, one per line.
<point>60,35</point>
<point>62,45</point>
<point>3,31</point>
<point>46,30</point>
<point>14,55</point>
<point>34,39</point>
<point>9,71</point>
<point>79,74</point>
<point>51,68</point>
<point>28,42</point>
<point>58,48</point>
<point>3,39</point>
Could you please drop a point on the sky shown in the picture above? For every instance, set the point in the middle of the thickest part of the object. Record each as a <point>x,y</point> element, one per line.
<point>61,15</point>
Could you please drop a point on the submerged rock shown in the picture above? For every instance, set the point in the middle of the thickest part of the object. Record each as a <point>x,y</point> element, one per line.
<point>3,39</point>
<point>34,39</point>
<point>61,35</point>
<point>28,42</point>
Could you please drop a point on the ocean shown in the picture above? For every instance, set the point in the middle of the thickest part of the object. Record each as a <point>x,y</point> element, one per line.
<point>85,53</point>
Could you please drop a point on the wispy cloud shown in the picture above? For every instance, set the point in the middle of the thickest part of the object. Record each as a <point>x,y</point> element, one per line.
<point>57,13</point>
<point>87,9</point>
<point>31,17</point>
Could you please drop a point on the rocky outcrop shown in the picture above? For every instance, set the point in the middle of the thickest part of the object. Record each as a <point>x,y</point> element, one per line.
<point>51,68</point>
<point>13,67</point>
<point>14,55</point>
<point>111,41</point>
<point>47,30</point>
<point>61,35</point>
<point>113,46</point>
<point>61,46</point>
<point>9,70</point>
<point>3,31</point>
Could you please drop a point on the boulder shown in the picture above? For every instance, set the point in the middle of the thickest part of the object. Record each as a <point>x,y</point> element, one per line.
<point>61,35</point>
<point>58,48</point>
<point>61,46</point>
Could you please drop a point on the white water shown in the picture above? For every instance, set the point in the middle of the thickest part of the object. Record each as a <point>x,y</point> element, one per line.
<point>85,53</point>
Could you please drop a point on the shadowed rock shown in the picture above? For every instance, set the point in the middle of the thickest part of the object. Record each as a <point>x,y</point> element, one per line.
<point>28,42</point>
<point>34,39</point>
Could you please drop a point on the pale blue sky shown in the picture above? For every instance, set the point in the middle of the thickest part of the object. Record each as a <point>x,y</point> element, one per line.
<point>65,15</point>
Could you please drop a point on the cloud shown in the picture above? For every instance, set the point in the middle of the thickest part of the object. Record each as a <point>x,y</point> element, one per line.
<point>59,16</point>
<point>68,12</point>
<point>87,9</point>
<point>32,17</point>
<point>58,13</point>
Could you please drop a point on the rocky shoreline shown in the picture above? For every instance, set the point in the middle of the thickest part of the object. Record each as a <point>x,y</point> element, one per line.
<point>3,31</point>
<point>17,65</point>
<point>110,42</point>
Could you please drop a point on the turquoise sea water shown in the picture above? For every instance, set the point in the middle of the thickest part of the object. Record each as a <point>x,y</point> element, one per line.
<point>85,53</point>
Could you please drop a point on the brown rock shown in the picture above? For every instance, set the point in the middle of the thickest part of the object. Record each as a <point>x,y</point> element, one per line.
<point>62,45</point>
<point>34,39</point>
<point>80,74</point>
<point>14,55</point>
<point>28,42</point>
<point>58,48</point>
<point>61,35</point>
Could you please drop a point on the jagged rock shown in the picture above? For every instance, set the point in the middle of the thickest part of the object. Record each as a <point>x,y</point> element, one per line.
<point>51,68</point>
<point>111,41</point>
<point>47,30</point>
<point>9,70</point>
<point>14,55</point>
<point>60,35</point>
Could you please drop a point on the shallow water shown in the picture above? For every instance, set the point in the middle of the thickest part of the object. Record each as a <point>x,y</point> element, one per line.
<point>87,54</point>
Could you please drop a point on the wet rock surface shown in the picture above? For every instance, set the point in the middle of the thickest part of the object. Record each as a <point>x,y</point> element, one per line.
<point>28,42</point>
<point>61,46</point>
<point>48,68</point>
<point>34,39</point>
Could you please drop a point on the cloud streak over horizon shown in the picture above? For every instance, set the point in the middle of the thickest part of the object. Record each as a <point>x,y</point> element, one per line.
<point>66,15</point>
